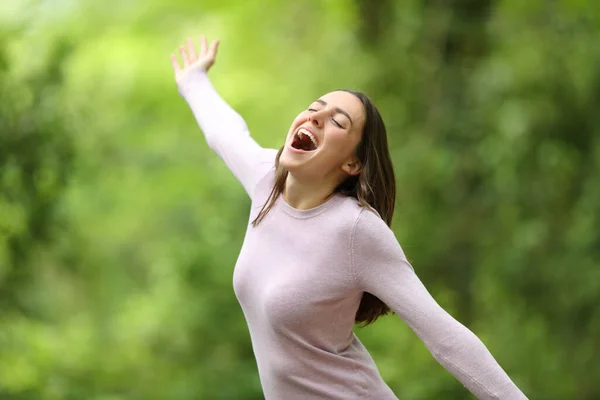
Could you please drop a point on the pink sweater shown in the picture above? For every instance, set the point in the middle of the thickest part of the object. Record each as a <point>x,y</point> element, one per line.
<point>301,273</point>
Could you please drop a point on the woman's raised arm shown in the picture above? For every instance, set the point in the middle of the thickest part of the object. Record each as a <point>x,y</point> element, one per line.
<point>225,130</point>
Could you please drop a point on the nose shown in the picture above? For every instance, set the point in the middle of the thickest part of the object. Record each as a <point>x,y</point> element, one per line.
<point>316,118</point>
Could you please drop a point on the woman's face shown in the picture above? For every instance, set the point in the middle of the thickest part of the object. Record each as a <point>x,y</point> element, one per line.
<point>322,140</point>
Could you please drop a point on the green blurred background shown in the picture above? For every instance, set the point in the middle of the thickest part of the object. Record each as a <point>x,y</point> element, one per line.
<point>119,228</point>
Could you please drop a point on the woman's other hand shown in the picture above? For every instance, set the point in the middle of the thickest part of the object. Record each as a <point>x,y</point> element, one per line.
<point>193,60</point>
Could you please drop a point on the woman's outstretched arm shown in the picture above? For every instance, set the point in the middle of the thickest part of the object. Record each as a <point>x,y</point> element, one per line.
<point>380,267</point>
<point>225,130</point>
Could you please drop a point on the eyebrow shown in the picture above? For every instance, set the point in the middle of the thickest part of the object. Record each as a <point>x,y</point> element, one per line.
<point>323,102</point>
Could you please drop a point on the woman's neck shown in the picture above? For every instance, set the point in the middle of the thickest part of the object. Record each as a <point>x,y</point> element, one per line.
<point>305,195</point>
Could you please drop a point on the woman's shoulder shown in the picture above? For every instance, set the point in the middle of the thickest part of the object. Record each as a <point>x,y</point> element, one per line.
<point>354,209</point>
<point>357,216</point>
<point>265,181</point>
<point>365,226</point>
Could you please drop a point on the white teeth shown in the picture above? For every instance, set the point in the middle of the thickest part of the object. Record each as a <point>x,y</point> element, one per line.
<point>303,131</point>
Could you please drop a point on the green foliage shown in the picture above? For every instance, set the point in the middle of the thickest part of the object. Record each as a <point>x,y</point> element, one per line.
<point>119,229</point>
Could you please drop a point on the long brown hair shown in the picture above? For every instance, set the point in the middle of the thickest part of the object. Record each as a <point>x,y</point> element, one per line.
<point>374,187</point>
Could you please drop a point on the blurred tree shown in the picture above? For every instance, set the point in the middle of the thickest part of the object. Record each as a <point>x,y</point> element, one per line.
<point>36,154</point>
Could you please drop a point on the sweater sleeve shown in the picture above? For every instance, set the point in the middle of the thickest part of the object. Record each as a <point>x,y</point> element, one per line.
<point>225,131</point>
<point>380,267</point>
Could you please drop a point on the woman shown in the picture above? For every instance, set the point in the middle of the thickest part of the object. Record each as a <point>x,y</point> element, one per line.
<point>319,255</point>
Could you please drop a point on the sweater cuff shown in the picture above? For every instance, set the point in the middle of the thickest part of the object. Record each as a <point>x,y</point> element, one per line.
<point>193,79</point>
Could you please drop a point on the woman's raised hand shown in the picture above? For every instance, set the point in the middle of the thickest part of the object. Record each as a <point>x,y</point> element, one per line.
<point>193,60</point>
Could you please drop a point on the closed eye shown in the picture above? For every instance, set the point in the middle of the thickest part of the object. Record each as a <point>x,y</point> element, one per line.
<point>332,120</point>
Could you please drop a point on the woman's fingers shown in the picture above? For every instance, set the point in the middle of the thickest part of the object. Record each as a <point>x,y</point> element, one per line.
<point>202,45</point>
<point>192,59</point>
<point>184,56</point>
<point>191,50</point>
<point>214,46</point>
<point>175,63</point>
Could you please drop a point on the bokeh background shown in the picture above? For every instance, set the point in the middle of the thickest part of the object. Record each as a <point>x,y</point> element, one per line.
<point>119,228</point>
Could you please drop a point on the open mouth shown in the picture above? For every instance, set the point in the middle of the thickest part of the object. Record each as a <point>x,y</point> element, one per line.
<point>304,140</point>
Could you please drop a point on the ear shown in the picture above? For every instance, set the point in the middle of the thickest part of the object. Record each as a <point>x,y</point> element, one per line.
<point>352,167</point>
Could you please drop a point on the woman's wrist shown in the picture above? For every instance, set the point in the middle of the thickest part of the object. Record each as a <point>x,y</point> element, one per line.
<point>192,79</point>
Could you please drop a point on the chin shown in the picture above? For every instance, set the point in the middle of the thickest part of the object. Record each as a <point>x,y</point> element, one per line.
<point>286,160</point>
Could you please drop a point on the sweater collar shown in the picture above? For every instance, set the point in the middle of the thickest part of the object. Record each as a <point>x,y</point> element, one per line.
<point>312,212</point>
